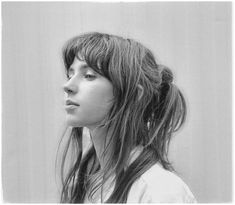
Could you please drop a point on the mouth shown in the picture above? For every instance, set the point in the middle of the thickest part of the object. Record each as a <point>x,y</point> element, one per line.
<point>70,102</point>
<point>70,105</point>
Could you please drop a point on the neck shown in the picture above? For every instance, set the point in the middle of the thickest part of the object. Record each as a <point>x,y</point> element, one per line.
<point>100,138</point>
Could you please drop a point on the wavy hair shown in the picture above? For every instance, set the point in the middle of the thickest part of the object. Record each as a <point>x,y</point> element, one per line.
<point>148,121</point>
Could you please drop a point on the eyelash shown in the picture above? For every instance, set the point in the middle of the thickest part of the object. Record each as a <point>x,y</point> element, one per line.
<point>87,76</point>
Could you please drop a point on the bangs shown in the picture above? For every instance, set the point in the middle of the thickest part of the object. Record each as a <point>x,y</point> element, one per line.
<point>93,48</point>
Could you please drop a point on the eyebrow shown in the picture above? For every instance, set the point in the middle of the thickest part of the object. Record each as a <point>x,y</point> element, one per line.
<point>82,67</point>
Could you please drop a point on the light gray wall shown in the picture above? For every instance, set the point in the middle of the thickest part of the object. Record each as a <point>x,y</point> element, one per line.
<point>194,39</point>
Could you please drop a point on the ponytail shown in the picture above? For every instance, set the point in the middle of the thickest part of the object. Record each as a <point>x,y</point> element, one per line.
<point>173,101</point>
<point>168,112</point>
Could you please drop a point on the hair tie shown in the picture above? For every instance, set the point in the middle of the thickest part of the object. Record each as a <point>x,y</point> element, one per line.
<point>166,73</point>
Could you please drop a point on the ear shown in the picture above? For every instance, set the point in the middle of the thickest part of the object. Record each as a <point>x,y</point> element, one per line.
<point>140,91</point>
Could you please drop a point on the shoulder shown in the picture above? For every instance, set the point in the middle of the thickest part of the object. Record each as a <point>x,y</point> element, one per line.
<point>159,185</point>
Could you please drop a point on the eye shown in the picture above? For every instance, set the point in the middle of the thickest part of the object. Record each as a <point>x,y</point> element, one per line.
<point>90,76</point>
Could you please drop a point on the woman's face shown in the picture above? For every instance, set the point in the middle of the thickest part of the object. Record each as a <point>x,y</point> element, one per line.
<point>89,96</point>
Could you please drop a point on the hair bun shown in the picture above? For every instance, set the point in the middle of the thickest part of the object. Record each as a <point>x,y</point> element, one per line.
<point>167,75</point>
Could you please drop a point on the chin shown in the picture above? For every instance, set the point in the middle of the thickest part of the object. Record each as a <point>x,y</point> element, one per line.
<point>74,122</point>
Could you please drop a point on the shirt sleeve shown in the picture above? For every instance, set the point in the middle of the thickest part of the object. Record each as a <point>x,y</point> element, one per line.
<point>160,187</point>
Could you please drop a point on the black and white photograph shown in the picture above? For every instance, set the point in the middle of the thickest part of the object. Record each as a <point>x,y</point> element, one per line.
<point>116,102</point>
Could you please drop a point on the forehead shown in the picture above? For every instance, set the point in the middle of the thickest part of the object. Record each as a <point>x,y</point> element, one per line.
<point>78,64</point>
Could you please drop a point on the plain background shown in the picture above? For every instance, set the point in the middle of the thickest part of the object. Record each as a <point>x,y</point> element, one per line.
<point>193,39</point>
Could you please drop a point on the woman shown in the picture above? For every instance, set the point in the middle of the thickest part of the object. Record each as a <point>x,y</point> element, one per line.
<point>131,108</point>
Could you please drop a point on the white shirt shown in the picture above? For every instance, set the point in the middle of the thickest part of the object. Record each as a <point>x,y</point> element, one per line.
<point>158,185</point>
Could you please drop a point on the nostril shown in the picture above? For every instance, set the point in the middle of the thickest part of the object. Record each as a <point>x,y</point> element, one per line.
<point>70,88</point>
<point>67,90</point>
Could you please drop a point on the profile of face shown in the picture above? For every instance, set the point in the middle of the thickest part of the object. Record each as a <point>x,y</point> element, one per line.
<point>89,96</point>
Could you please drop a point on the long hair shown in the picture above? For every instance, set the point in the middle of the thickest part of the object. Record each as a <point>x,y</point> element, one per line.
<point>148,121</point>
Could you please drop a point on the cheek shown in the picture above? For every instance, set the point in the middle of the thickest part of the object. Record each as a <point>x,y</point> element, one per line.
<point>100,99</point>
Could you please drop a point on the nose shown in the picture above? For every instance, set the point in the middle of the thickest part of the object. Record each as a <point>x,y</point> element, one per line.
<point>70,88</point>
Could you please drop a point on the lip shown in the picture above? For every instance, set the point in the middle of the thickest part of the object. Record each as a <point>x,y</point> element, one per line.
<point>71,107</point>
<point>70,102</point>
